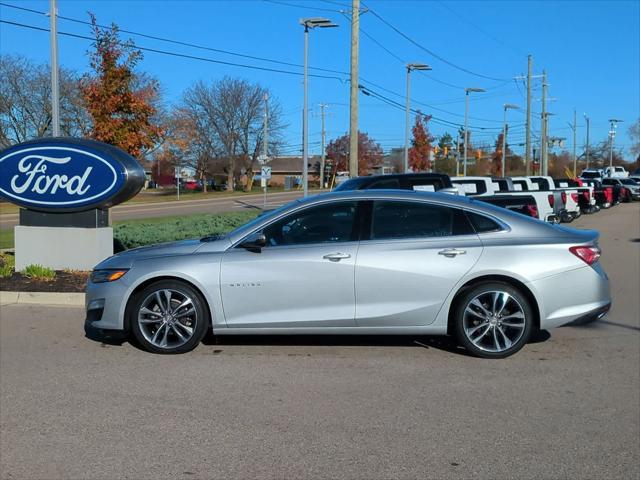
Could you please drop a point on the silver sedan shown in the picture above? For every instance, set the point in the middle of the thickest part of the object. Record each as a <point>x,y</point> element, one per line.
<point>361,262</point>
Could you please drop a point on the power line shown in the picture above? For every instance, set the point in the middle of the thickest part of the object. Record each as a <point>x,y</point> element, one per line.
<point>181,55</point>
<point>286,4</point>
<point>430,52</point>
<point>176,42</point>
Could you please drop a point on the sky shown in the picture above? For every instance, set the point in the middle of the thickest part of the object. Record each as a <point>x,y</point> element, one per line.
<point>590,51</point>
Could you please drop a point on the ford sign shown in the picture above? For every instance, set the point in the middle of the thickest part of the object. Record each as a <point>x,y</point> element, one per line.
<point>68,175</point>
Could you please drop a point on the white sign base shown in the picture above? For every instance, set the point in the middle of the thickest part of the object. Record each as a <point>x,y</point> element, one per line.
<point>62,247</point>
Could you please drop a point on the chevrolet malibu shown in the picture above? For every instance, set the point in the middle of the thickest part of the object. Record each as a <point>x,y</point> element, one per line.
<point>358,262</point>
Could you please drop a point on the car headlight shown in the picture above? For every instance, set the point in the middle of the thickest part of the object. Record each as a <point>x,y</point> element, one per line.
<point>107,275</point>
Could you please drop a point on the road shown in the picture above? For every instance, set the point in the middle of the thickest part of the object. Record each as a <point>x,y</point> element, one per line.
<point>566,406</point>
<point>215,204</point>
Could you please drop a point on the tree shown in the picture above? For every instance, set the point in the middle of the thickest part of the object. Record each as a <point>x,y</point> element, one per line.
<point>25,102</point>
<point>420,151</point>
<point>120,103</point>
<point>369,153</point>
<point>496,156</point>
<point>225,120</point>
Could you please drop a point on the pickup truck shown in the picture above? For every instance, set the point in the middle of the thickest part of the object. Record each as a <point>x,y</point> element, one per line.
<point>571,194</point>
<point>486,186</point>
<point>621,192</point>
<point>555,198</point>
<point>524,204</point>
<point>602,194</point>
<point>616,172</point>
<point>430,182</point>
<point>586,197</point>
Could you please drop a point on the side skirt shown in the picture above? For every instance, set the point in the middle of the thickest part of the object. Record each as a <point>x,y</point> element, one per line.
<point>417,330</point>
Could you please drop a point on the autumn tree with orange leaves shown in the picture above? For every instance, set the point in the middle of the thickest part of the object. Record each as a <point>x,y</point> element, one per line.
<point>419,153</point>
<point>369,153</point>
<point>120,105</point>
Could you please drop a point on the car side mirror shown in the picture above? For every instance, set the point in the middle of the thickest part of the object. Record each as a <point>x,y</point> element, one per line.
<point>254,242</point>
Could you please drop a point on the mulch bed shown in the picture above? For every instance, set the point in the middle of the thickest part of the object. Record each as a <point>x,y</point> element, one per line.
<point>67,282</point>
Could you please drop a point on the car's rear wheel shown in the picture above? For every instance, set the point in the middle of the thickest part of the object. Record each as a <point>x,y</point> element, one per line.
<point>493,320</point>
<point>169,316</point>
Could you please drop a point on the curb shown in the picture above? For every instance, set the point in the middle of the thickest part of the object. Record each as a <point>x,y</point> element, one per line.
<point>41,298</point>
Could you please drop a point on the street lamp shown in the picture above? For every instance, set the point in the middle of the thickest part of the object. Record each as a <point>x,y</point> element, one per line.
<point>612,133</point>
<point>410,67</point>
<point>466,123</point>
<point>308,23</point>
<point>507,106</point>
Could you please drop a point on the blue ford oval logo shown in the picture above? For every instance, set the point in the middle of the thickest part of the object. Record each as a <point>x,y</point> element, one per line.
<point>63,174</point>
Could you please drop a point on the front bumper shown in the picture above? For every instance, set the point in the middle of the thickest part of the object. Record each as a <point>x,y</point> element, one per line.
<point>105,304</point>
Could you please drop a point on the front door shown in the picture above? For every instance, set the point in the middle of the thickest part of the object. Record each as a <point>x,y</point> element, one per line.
<point>304,277</point>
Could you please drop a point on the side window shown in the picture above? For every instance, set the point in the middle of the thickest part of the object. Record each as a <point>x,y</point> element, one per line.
<point>483,224</point>
<point>424,185</point>
<point>329,223</point>
<point>397,219</point>
<point>382,184</point>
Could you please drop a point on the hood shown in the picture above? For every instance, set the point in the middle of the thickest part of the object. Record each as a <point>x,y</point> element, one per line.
<point>125,259</point>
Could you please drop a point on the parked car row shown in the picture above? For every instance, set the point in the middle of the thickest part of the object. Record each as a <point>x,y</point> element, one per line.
<point>550,199</point>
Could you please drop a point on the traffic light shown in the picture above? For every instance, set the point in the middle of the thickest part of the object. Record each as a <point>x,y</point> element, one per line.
<point>446,151</point>
<point>478,154</point>
<point>436,149</point>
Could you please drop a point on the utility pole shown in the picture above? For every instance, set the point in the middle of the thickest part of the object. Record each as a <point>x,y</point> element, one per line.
<point>612,133</point>
<point>353,100</point>
<point>55,88</point>
<point>527,153</point>
<point>322,158</point>
<point>586,153</point>
<point>410,67</point>
<point>543,128</point>
<point>575,155</point>
<point>265,145</point>
<point>458,155</point>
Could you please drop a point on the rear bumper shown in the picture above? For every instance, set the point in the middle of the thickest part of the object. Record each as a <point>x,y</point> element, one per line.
<point>591,316</point>
<point>571,296</point>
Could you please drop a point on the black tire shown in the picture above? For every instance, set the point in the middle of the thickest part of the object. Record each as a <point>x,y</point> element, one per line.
<point>198,321</point>
<point>480,348</point>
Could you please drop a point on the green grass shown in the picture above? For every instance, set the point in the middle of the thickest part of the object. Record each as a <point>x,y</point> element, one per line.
<point>7,265</point>
<point>136,233</point>
<point>38,272</point>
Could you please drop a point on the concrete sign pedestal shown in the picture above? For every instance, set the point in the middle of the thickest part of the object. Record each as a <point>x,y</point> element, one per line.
<point>60,248</point>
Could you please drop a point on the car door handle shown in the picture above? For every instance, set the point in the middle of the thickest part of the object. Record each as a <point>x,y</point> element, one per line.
<point>336,257</point>
<point>451,252</point>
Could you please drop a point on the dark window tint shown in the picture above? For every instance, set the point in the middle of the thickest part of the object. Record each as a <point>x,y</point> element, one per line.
<point>609,181</point>
<point>542,183</point>
<point>327,223</point>
<point>381,184</point>
<point>483,224</point>
<point>395,219</point>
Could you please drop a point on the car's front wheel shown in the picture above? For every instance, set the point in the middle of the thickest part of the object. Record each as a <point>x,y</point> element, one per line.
<point>493,320</point>
<point>169,316</point>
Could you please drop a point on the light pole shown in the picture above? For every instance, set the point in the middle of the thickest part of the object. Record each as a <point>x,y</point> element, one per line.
<point>410,67</point>
<point>55,88</point>
<point>466,123</point>
<point>507,106</point>
<point>307,23</point>
<point>586,153</point>
<point>612,133</point>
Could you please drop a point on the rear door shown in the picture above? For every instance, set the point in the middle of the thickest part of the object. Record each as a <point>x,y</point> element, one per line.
<point>411,256</point>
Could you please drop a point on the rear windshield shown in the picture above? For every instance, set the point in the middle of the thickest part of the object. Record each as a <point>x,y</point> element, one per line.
<point>520,185</point>
<point>590,175</point>
<point>470,187</point>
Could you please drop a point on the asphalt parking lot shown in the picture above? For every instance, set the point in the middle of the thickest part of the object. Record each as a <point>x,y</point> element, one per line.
<point>566,406</point>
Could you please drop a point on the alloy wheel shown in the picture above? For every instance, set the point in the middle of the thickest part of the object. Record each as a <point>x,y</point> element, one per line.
<point>167,318</point>
<point>494,321</point>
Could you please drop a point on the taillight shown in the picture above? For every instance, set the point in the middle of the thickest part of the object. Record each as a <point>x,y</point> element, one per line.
<point>551,199</point>
<point>608,192</point>
<point>588,254</point>
<point>532,210</point>
<point>563,195</point>
<point>586,195</point>
<point>574,197</point>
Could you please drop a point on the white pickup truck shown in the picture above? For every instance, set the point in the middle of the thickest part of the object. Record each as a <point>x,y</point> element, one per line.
<point>486,186</point>
<point>571,198</point>
<point>616,172</point>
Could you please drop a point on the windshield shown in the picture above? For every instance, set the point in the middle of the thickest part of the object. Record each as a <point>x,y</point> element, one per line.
<point>590,175</point>
<point>629,181</point>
